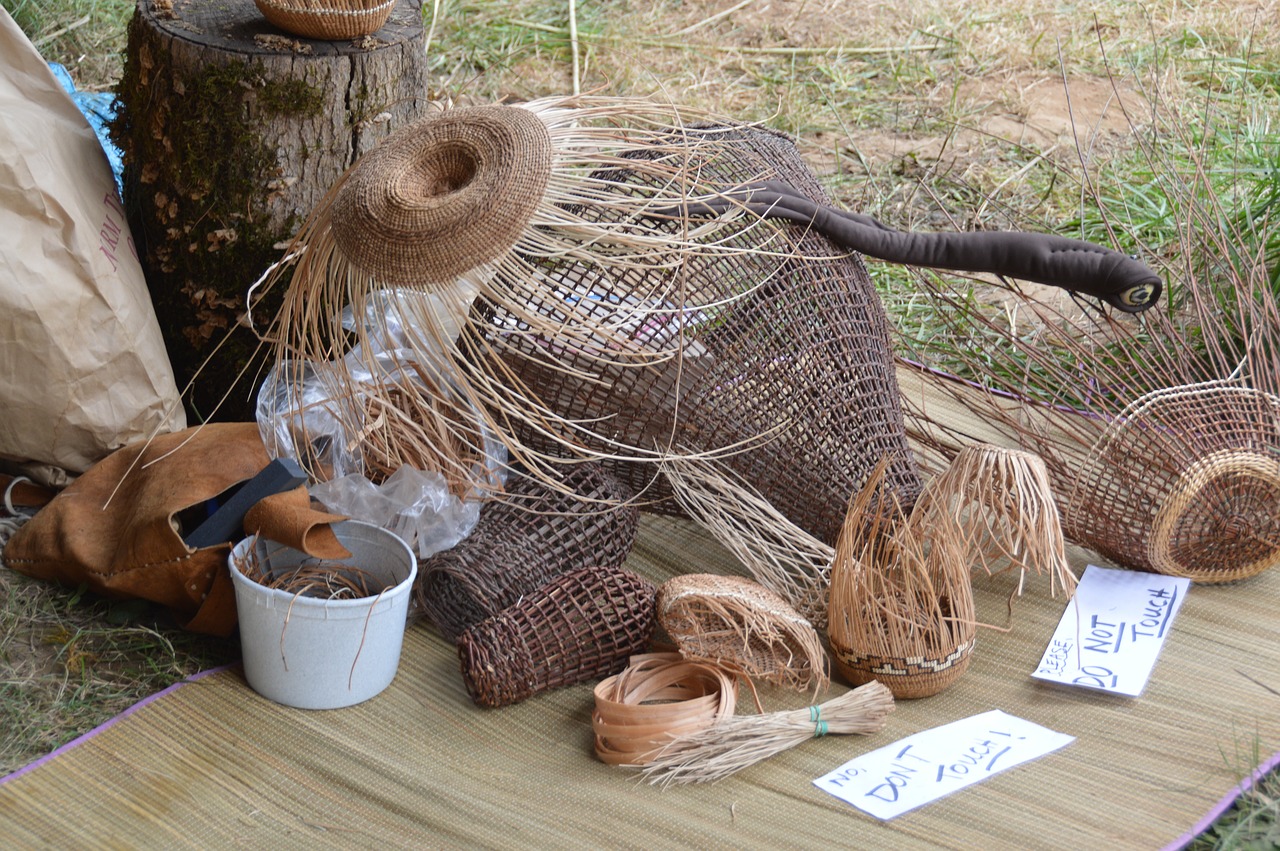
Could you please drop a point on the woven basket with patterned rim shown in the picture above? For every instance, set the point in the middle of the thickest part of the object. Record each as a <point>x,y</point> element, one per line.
<point>525,540</point>
<point>582,626</point>
<point>907,678</point>
<point>328,20</point>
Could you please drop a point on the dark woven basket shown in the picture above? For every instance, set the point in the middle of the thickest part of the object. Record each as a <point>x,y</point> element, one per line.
<point>583,626</point>
<point>524,540</point>
<point>799,352</point>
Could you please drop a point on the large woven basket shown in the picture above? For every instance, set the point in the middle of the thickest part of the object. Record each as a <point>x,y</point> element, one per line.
<point>525,540</point>
<point>790,378</point>
<point>1186,482</point>
<point>583,626</point>
<point>329,20</point>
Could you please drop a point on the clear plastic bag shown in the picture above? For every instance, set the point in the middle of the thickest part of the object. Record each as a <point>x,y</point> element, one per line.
<point>328,416</point>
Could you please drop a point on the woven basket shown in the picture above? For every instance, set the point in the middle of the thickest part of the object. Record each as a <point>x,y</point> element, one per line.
<point>743,627</point>
<point>582,626</point>
<point>329,20</point>
<point>901,606</point>
<point>793,366</point>
<point>1186,482</point>
<point>525,540</point>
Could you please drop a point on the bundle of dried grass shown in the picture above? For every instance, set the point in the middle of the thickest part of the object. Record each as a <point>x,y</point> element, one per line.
<point>581,315</point>
<point>902,608</point>
<point>743,627</point>
<point>740,741</point>
<point>1002,506</point>
<point>779,554</point>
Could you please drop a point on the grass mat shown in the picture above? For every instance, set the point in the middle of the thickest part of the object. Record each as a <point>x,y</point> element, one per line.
<point>211,764</point>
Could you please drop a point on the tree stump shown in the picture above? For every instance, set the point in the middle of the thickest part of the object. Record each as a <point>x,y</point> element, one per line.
<point>232,131</point>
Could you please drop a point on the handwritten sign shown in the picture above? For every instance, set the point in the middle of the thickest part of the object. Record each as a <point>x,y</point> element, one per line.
<point>931,764</point>
<point>1112,630</point>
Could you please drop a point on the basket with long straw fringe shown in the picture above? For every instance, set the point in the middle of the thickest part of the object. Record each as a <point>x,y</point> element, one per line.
<point>1001,505</point>
<point>598,321</point>
<point>523,542</point>
<point>329,20</point>
<point>581,626</point>
<point>902,609</point>
<point>742,626</point>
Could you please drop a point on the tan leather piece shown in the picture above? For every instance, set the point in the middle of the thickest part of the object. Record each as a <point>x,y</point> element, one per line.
<point>288,518</point>
<point>114,527</point>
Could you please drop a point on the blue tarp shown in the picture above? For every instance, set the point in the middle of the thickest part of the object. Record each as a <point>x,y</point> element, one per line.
<point>98,108</point>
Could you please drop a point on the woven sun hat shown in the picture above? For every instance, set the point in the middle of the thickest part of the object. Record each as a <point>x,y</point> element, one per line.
<point>327,20</point>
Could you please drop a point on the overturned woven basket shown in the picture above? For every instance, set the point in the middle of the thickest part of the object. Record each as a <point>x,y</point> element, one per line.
<point>525,541</point>
<point>583,625</point>
<point>603,322</point>
<point>328,20</point>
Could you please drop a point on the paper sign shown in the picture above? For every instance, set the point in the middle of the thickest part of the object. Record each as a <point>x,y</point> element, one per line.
<point>1113,629</point>
<point>929,765</point>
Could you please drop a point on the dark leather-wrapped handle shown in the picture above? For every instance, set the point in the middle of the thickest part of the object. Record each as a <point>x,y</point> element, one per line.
<point>1072,264</point>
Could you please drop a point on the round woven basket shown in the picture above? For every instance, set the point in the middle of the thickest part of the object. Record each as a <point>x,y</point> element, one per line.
<point>1186,482</point>
<point>329,20</point>
<point>907,678</point>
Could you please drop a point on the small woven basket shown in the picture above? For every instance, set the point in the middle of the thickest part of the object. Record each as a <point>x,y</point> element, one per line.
<point>328,20</point>
<point>901,609</point>
<point>530,536</point>
<point>582,626</point>
<point>743,627</point>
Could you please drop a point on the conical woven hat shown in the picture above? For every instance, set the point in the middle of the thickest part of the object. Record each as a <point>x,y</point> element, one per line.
<point>444,195</point>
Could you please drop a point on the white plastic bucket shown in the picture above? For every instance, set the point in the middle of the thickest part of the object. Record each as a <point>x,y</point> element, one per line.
<point>330,653</point>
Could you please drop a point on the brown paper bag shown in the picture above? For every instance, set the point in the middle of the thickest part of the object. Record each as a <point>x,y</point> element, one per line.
<point>83,369</point>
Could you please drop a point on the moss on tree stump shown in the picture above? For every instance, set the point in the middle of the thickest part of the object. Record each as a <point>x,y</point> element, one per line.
<point>232,131</point>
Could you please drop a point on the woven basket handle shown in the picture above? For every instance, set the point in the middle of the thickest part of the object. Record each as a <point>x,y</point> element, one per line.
<point>1071,264</point>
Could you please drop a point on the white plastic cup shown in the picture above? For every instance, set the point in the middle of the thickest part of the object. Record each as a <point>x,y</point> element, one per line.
<point>330,653</point>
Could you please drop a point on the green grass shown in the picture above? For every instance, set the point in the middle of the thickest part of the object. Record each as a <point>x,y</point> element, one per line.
<point>69,662</point>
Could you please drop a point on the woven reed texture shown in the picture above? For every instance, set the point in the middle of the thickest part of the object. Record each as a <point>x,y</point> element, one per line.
<point>742,626</point>
<point>1186,483</point>
<point>328,20</point>
<point>582,626</point>
<point>211,763</point>
<point>524,540</point>
<point>908,679</point>
<point>470,178</point>
<point>796,363</point>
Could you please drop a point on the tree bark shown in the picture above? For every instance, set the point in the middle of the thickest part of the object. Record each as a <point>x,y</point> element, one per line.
<point>232,132</point>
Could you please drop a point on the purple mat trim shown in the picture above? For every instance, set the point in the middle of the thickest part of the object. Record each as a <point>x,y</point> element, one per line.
<point>1225,804</point>
<point>111,723</point>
